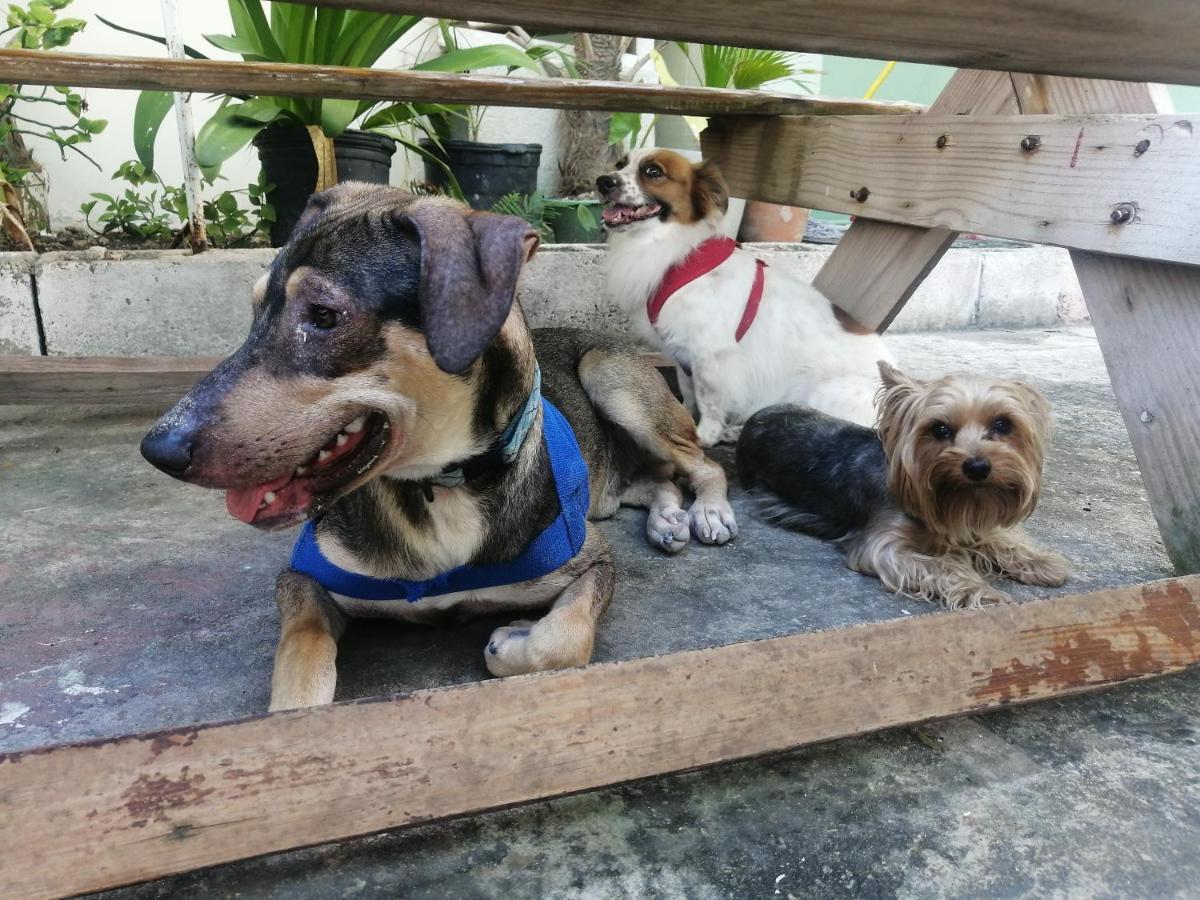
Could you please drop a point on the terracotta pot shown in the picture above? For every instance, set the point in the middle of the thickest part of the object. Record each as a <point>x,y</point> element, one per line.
<point>764,221</point>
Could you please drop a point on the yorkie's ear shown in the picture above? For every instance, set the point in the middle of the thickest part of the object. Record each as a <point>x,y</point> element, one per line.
<point>894,378</point>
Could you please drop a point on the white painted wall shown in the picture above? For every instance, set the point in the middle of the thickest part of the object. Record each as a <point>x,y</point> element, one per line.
<point>71,181</point>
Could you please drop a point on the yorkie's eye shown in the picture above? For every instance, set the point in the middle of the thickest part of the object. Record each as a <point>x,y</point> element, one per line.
<point>652,171</point>
<point>1002,426</point>
<point>942,431</point>
<point>622,162</point>
<point>324,317</point>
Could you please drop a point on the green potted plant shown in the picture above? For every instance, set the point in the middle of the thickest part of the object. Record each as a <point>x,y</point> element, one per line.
<point>576,220</point>
<point>288,132</point>
<point>485,172</point>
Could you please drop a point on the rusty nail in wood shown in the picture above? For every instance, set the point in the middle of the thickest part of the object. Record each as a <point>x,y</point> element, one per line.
<point>1123,213</point>
<point>942,141</point>
<point>860,195</point>
<point>1142,146</point>
<point>1031,142</point>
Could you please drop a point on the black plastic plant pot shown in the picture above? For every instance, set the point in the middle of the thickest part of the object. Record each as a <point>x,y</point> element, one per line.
<point>485,172</point>
<point>289,163</point>
<point>576,221</point>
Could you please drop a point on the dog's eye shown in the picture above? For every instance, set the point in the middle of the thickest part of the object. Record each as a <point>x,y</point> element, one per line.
<point>623,162</point>
<point>1003,425</point>
<point>652,171</point>
<point>323,317</point>
<point>942,431</point>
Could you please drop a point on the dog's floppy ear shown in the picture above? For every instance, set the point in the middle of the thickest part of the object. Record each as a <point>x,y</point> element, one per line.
<point>470,262</point>
<point>709,191</point>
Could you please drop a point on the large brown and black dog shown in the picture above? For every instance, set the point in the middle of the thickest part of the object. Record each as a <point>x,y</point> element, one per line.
<point>386,349</point>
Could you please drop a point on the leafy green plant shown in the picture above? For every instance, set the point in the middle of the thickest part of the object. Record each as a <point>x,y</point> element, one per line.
<point>533,208</point>
<point>740,68</point>
<point>23,111</point>
<point>150,210</point>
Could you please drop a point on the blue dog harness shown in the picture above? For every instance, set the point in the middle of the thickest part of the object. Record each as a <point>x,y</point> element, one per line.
<point>559,543</point>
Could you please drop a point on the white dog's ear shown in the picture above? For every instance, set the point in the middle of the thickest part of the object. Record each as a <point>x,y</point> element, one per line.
<point>709,191</point>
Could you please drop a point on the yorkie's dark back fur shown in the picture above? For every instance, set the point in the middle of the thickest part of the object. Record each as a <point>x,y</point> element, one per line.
<point>826,476</point>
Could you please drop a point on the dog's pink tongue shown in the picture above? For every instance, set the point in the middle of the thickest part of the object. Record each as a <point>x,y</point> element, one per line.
<point>243,503</point>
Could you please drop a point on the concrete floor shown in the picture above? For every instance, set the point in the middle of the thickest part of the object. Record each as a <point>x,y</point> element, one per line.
<point>131,602</point>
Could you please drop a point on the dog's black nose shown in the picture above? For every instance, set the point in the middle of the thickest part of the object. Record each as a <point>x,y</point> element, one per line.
<point>605,183</point>
<point>169,449</point>
<point>977,468</point>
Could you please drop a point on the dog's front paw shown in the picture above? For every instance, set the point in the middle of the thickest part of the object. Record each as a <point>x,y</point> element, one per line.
<point>730,434</point>
<point>713,522</point>
<point>1044,570</point>
<point>977,598</point>
<point>667,528</point>
<point>709,431</point>
<point>524,647</point>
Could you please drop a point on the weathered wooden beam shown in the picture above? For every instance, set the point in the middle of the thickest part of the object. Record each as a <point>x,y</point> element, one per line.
<point>100,379</point>
<point>877,266</point>
<point>110,812</point>
<point>1120,184</point>
<point>1149,41</point>
<point>279,80</point>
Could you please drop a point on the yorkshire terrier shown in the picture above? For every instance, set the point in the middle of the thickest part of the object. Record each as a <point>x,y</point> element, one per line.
<point>932,501</point>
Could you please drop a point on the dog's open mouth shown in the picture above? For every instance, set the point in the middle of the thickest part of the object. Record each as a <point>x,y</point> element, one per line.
<point>347,455</point>
<point>622,214</point>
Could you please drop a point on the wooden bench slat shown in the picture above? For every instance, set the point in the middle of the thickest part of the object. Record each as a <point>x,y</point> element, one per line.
<point>100,379</point>
<point>285,80</point>
<point>1148,41</point>
<point>1045,179</point>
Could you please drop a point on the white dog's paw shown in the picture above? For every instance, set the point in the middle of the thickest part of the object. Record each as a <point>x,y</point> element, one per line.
<point>709,431</point>
<point>730,434</point>
<point>713,522</point>
<point>667,527</point>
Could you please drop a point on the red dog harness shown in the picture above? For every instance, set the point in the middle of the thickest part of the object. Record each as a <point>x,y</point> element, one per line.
<point>699,262</point>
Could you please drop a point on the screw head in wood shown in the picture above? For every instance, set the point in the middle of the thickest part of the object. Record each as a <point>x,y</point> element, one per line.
<point>860,195</point>
<point>1031,142</point>
<point>942,141</point>
<point>1122,213</point>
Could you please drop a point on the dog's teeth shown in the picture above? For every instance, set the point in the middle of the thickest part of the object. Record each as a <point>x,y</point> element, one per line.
<point>301,470</point>
<point>322,456</point>
<point>341,439</point>
<point>355,426</point>
<point>269,498</point>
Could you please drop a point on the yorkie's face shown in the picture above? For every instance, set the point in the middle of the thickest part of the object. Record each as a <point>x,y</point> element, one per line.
<point>964,454</point>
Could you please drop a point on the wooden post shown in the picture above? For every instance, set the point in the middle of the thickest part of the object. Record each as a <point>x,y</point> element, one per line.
<point>192,179</point>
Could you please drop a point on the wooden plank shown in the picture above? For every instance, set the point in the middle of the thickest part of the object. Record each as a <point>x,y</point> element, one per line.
<point>278,80</point>
<point>1147,320</point>
<point>110,812</point>
<point>100,379</point>
<point>1151,41</point>
<point>1046,179</point>
<point>877,266</point>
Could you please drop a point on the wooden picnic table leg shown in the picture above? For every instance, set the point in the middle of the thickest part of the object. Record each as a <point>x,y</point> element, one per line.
<point>1147,320</point>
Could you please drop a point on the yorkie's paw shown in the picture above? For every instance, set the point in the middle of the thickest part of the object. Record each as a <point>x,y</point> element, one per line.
<point>978,598</point>
<point>1043,569</point>
<point>713,522</point>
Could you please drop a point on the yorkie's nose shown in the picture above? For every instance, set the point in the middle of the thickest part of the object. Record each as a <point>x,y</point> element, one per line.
<point>605,183</point>
<point>977,468</point>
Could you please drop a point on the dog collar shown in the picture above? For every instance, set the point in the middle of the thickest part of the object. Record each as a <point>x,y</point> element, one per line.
<point>553,548</point>
<point>504,450</point>
<point>706,257</point>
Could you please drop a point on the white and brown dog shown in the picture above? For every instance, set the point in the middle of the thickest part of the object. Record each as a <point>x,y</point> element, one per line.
<point>743,336</point>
